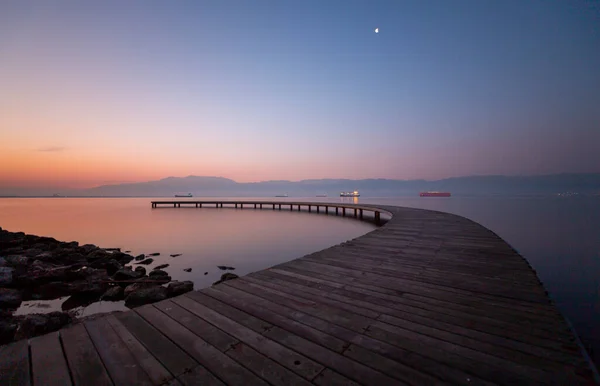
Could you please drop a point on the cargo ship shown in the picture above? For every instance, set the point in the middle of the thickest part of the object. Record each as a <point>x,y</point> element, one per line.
<point>350,194</point>
<point>434,194</point>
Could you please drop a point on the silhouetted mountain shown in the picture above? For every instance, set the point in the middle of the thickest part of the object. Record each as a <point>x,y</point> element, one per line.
<point>219,186</point>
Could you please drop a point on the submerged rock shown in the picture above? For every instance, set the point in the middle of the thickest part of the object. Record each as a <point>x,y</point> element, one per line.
<point>154,254</point>
<point>187,269</point>
<point>175,254</point>
<point>161,266</point>
<point>10,298</point>
<point>146,261</point>
<point>225,267</point>
<point>225,277</point>
<point>146,296</point>
<point>176,288</point>
<point>140,257</point>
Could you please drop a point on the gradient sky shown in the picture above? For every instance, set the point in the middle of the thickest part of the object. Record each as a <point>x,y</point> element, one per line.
<point>111,91</point>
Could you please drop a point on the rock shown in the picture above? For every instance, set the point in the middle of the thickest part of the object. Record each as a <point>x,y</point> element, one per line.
<point>39,275</point>
<point>142,270</point>
<point>112,249</point>
<point>206,273</point>
<point>3,262</point>
<point>99,254</point>
<point>127,274</point>
<point>154,254</point>
<point>175,254</point>
<point>136,286</point>
<point>140,257</point>
<point>6,276</point>
<point>225,277</point>
<point>225,267</point>
<point>7,330</point>
<point>79,300</point>
<point>161,266</point>
<point>176,288</point>
<point>146,261</point>
<point>111,265</point>
<point>187,269</point>
<point>88,248</point>
<point>38,324</point>
<point>121,257</point>
<point>10,298</point>
<point>158,272</point>
<point>17,260</point>
<point>32,252</point>
<point>114,293</point>
<point>146,296</point>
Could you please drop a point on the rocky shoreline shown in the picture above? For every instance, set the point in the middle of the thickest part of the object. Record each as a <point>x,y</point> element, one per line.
<point>43,268</point>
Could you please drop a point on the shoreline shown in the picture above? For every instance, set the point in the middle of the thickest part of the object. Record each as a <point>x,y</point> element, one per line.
<point>43,268</point>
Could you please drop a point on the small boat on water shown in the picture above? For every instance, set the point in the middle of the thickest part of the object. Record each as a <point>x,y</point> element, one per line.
<point>434,194</point>
<point>350,194</point>
<point>184,195</point>
<point>322,195</point>
<point>282,195</point>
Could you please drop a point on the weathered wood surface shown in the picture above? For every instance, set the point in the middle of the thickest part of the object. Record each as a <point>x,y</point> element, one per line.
<point>428,299</point>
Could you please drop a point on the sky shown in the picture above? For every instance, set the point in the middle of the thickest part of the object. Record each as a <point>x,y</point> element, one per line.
<point>125,91</point>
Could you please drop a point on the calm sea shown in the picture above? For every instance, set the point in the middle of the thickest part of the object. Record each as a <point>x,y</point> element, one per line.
<point>560,236</point>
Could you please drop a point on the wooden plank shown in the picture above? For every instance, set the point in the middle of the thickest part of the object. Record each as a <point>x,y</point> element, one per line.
<point>405,357</point>
<point>175,360</point>
<point>219,339</point>
<point>157,373</point>
<point>412,320</point>
<point>270,312</point>
<point>14,364</point>
<point>83,359</point>
<point>329,377</point>
<point>219,364</point>
<point>48,364</point>
<point>198,376</point>
<point>196,303</point>
<point>118,360</point>
<point>266,368</point>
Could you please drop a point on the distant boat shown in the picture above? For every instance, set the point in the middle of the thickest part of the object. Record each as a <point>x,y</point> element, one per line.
<point>184,195</point>
<point>56,195</point>
<point>322,195</point>
<point>434,194</point>
<point>282,195</point>
<point>350,194</point>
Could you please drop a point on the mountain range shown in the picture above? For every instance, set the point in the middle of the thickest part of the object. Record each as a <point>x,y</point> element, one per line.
<point>199,186</point>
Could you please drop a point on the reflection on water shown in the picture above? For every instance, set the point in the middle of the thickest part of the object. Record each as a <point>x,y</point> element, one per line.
<point>246,239</point>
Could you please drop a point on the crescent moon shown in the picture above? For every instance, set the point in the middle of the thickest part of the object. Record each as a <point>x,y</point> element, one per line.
<point>376,30</point>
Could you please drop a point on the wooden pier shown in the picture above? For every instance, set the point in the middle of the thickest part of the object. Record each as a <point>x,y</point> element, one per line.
<point>356,211</point>
<point>427,299</point>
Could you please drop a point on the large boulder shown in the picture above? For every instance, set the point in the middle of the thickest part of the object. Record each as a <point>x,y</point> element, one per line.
<point>179,287</point>
<point>8,328</point>
<point>110,265</point>
<point>38,324</point>
<point>32,252</point>
<point>146,296</point>
<point>114,293</point>
<point>6,276</point>
<point>10,298</point>
<point>17,260</point>
<point>88,248</point>
<point>127,274</point>
<point>121,257</point>
<point>140,257</point>
<point>141,270</point>
<point>159,276</point>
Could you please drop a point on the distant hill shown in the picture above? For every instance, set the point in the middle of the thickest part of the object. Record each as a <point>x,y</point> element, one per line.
<point>219,186</point>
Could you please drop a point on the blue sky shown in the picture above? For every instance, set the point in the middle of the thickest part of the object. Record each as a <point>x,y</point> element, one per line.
<point>258,90</point>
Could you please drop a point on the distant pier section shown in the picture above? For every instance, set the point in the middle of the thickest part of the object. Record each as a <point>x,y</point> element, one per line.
<point>354,210</point>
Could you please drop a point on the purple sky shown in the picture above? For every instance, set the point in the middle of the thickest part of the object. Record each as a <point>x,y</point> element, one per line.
<point>256,90</point>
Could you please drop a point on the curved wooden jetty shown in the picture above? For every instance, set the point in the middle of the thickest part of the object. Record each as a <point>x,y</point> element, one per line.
<point>428,299</point>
